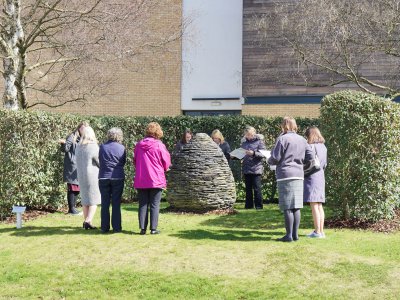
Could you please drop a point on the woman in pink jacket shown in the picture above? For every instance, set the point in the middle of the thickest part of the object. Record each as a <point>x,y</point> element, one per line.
<point>151,159</point>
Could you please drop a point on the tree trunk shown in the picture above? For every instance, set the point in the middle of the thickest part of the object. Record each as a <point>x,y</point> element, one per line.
<point>13,37</point>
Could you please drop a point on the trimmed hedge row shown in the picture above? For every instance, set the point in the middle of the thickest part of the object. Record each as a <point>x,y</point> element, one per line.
<point>31,160</point>
<point>363,137</point>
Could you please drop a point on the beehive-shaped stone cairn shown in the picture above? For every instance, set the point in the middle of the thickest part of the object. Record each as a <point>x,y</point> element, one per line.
<point>200,179</point>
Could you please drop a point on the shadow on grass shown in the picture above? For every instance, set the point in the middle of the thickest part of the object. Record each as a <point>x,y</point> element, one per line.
<point>29,231</point>
<point>268,218</point>
<point>228,235</point>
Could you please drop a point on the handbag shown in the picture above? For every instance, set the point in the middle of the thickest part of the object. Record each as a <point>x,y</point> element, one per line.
<point>313,165</point>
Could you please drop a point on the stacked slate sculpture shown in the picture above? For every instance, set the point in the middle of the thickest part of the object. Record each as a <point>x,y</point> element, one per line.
<point>200,179</point>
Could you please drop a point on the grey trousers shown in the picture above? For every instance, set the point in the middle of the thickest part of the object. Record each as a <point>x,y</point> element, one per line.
<point>149,198</point>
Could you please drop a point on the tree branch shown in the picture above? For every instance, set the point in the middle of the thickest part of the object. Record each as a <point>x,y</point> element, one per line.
<point>34,32</point>
<point>33,10</point>
<point>78,100</point>
<point>53,61</point>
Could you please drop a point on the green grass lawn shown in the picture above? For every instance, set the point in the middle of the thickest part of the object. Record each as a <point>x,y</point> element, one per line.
<point>195,257</point>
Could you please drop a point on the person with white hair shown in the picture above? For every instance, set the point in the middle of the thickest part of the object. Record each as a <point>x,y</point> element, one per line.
<point>87,161</point>
<point>112,157</point>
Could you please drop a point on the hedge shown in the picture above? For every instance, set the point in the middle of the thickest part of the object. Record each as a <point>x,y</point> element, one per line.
<point>362,133</point>
<point>31,160</point>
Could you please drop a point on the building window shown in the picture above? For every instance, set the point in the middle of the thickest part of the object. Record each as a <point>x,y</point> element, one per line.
<point>199,113</point>
<point>301,99</point>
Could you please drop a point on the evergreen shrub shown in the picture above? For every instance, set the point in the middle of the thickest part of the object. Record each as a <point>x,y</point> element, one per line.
<point>362,134</point>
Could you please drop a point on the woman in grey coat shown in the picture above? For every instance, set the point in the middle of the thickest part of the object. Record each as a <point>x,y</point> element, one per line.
<point>314,185</point>
<point>87,161</point>
<point>289,154</point>
<point>68,146</point>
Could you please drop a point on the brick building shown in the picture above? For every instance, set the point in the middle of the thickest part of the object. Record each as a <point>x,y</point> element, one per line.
<point>152,91</point>
<point>213,70</point>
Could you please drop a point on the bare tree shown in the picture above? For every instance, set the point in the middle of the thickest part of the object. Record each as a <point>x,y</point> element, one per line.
<point>59,50</point>
<point>331,43</point>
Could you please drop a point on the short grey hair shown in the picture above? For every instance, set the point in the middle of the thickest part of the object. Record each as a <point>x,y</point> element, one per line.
<point>115,134</point>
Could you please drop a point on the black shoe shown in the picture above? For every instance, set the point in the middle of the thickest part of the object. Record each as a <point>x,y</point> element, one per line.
<point>87,226</point>
<point>142,232</point>
<point>258,208</point>
<point>117,230</point>
<point>295,239</point>
<point>154,231</point>
<point>105,231</point>
<point>285,239</point>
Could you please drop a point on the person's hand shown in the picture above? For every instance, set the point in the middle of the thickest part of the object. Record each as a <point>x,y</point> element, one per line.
<point>61,141</point>
<point>249,152</point>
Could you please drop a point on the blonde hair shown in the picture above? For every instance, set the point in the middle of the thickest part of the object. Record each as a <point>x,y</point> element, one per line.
<point>289,124</point>
<point>250,130</point>
<point>76,132</point>
<point>314,135</point>
<point>88,136</point>
<point>154,130</point>
<point>216,134</point>
<point>115,135</point>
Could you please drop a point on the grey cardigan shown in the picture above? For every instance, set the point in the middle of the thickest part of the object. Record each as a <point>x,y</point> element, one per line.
<point>289,154</point>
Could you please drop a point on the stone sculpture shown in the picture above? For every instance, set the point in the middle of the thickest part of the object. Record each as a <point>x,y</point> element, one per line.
<point>200,179</point>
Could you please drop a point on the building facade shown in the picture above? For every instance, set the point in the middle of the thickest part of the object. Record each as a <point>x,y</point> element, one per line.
<point>213,70</point>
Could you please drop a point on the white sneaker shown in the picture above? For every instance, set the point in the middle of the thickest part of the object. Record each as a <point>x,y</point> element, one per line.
<point>323,235</point>
<point>314,235</point>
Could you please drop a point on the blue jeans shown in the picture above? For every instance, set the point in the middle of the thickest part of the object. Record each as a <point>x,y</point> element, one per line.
<point>111,192</point>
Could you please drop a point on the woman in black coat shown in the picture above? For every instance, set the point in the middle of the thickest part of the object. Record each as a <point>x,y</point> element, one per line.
<point>70,175</point>
<point>218,138</point>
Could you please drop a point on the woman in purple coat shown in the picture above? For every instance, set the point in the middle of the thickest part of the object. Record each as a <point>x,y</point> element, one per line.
<point>314,185</point>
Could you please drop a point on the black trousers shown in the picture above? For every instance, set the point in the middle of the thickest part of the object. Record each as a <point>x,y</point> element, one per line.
<point>111,192</point>
<point>253,184</point>
<point>149,198</point>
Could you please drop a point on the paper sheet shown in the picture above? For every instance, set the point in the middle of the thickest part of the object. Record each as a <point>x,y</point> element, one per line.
<point>238,153</point>
<point>265,153</point>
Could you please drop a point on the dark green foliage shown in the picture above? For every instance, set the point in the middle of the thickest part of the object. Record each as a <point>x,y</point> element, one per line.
<point>31,160</point>
<point>363,138</point>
